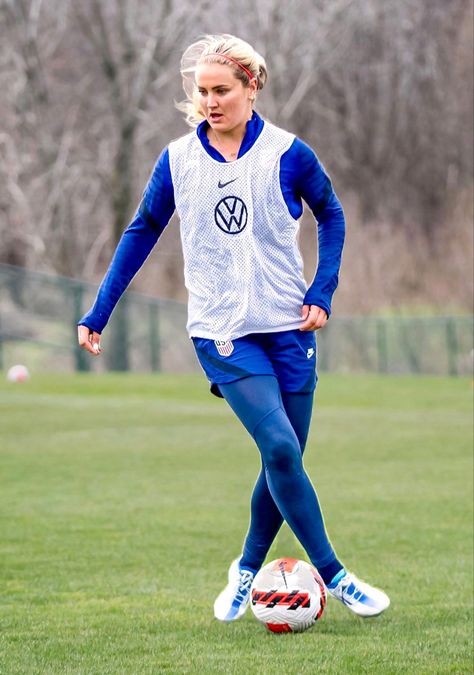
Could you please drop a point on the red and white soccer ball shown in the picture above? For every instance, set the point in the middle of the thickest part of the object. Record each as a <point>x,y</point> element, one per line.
<point>18,373</point>
<point>288,596</point>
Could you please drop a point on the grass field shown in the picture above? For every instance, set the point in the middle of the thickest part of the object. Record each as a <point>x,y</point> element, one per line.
<point>123,500</point>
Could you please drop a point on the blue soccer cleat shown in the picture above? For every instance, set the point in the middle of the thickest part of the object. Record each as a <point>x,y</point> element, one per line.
<point>359,597</point>
<point>231,604</point>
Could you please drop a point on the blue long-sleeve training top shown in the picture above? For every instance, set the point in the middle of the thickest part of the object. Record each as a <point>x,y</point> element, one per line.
<point>302,177</point>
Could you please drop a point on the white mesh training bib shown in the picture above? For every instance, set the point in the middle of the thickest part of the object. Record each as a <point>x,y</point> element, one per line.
<point>242,266</point>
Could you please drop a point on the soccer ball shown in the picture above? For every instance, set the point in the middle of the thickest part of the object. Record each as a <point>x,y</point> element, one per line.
<point>18,374</point>
<point>288,596</point>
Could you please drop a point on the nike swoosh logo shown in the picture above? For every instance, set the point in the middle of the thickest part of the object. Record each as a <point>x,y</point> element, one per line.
<point>221,185</point>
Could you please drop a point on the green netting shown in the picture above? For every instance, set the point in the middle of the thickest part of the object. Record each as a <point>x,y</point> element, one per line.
<point>38,315</point>
<point>436,345</point>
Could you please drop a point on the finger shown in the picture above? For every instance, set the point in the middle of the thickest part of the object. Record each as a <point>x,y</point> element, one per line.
<point>85,338</point>
<point>317,318</point>
<point>83,335</point>
<point>310,318</point>
<point>95,340</point>
<point>88,347</point>
<point>305,311</point>
<point>320,319</point>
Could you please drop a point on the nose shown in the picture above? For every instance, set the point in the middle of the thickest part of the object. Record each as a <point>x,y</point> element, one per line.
<point>211,101</point>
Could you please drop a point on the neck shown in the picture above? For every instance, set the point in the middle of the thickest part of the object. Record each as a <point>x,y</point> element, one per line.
<point>235,135</point>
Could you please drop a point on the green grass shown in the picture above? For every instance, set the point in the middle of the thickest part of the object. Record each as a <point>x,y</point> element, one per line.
<point>123,500</point>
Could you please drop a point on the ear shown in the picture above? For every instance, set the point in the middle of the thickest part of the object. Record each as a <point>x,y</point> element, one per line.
<point>252,89</point>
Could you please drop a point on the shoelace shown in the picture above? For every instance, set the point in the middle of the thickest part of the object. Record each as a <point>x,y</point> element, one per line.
<point>245,582</point>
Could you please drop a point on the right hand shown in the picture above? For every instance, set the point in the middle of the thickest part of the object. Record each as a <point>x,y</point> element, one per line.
<point>89,340</point>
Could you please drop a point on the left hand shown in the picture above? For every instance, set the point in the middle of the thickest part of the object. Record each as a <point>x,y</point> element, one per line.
<point>314,317</point>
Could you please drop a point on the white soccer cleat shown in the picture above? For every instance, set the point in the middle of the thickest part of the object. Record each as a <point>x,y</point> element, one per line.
<point>359,597</point>
<point>231,604</point>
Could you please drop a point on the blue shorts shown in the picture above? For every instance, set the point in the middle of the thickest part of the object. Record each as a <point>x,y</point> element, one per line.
<point>289,355</point>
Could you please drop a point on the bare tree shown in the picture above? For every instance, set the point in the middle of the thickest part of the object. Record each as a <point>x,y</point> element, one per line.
<point>133,50</point>
<point>393,106</point>
<point>34,148</point>
<point>71,118</point>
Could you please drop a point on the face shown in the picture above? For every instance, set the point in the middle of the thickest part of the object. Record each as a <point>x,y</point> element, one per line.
<point>224,100</point>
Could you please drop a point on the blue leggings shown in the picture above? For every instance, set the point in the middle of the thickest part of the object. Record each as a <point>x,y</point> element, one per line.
<point>279,423</point>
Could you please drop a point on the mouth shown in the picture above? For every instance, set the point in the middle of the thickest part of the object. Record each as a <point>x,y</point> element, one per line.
<point>215,117</point>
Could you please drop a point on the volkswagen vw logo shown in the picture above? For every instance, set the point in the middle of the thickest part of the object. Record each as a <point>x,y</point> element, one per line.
<point>231,215</point>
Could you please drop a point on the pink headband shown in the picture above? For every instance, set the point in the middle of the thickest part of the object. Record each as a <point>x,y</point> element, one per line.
<point>230,58</point>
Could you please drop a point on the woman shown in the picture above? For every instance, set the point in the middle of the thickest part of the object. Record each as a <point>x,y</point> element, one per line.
<point>237,183</point>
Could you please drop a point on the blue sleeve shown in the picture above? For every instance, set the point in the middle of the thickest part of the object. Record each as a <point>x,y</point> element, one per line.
<point>153,214</point>
<point>302,176</point>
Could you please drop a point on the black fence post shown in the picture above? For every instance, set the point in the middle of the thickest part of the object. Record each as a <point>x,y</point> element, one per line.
<point>412,347</point>
<point>154,336</point>
<point>382,357</point>
<point>323,344</point>
<point>452,346</point>
<point>118,348</point>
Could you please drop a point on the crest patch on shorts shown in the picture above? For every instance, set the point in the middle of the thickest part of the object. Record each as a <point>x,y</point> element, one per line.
<point>225,348</point>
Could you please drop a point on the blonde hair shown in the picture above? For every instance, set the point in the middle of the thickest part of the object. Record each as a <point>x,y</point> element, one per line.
<point>215,49</point>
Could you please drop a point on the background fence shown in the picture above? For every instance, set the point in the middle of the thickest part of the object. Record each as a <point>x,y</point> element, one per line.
<point>38,315</point>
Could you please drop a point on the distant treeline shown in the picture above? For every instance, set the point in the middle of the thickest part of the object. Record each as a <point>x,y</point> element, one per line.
<point>382,90</point>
